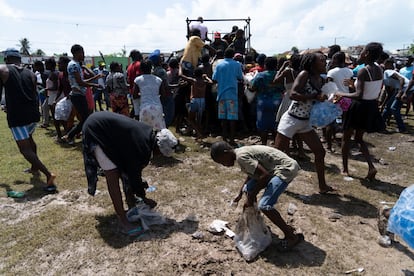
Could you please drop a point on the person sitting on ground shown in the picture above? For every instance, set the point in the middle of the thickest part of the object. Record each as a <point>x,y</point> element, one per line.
<point>197,103</point>
<point>266,168</point>
<point>22,108</point>
<point>122,147</point>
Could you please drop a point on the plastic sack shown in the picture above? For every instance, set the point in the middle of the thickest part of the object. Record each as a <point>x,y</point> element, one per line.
<point>329,89</point>
<point>324,113</point>
<point>401,220</point>
<point>63,109</point>
<point>252,234</point>
<point>247,81</point>
<point>144,214</point>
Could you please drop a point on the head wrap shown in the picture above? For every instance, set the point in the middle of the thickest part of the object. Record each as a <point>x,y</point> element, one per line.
<point>11,52</point>
<point>166,142</point>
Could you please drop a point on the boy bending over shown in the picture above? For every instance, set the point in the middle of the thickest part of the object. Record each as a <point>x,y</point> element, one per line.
<point>266,168</point>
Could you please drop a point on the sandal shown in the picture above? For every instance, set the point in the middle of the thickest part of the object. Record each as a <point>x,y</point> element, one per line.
<point>50,188</point>
<point>284,245</point>
<point>135,232</point>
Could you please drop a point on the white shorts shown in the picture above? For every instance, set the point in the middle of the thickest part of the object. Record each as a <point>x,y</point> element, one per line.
<point>104,162</point>
<point>289,126</point>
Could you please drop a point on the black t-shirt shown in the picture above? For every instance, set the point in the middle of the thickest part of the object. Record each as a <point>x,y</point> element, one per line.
<point>127,143</point>
<point>21,97</point>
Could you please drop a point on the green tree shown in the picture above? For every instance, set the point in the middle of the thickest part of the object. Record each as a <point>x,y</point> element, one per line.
<point>295,50</point>
<point>24,46</point>
<point>411,49</point>
<point>39,52</point>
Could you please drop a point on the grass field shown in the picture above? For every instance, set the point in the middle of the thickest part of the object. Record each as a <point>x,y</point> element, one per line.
<point>73,233</point>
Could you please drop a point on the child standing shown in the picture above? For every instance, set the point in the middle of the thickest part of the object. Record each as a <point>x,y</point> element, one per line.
<point>197,103</point>
<point>266,168</point>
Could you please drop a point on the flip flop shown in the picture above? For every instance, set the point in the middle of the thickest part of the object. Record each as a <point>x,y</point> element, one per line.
<point>329,191</point>
<point>50,188</point>
<point>284,246</point>
<point>135,232</point>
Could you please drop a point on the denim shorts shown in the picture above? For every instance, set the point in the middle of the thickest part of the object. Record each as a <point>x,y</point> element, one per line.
<point>274,189</point>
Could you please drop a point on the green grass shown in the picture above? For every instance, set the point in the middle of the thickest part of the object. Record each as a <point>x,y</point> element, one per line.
<point>74,233</point>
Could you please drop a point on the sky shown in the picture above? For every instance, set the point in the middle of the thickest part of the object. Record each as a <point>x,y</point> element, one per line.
<point>276,25</point>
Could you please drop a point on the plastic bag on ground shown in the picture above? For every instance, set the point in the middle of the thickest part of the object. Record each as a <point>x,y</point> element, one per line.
<point>252,234</point>
<point>63,109</point>
<point>144,214</point>
<point>401,220</point>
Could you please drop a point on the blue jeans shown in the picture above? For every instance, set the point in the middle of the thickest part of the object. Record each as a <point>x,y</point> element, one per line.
<point>393,106</point>
<point>273,190</point>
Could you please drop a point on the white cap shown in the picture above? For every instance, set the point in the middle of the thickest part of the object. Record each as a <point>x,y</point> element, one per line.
<point>166,142</point>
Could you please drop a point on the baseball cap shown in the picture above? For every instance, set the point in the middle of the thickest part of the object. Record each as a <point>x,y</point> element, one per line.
<point>260,58</point>
<point>217,35</point>
<point>101,63</point>
<point>154,55</point>
<point>12,52</point>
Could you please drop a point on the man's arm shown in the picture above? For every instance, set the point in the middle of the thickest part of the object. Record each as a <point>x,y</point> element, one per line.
<point>264,177</point>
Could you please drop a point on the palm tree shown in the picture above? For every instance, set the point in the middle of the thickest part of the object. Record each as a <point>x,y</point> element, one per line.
<point>24,46</point>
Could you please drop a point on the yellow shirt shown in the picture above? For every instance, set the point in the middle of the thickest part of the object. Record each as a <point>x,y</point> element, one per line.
<point>192,51</point>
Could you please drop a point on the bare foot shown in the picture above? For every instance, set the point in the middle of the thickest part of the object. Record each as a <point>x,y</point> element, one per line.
<point>371,175</point>
<point>51,180</point>
<point>328,190</point>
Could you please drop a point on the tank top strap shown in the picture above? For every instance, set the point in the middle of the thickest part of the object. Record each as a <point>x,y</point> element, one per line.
<point>369,73</point>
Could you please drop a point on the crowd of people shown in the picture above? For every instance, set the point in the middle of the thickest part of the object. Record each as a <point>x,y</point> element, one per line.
<point>206,92</point>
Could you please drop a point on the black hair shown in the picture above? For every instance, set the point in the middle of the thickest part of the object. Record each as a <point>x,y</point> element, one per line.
<point>136,55</point>
<point>308,60</point>
<point>271,63</point>
<point>205,58</point>
<point>219,54</point>
<point>295,60</point>
<point>374,49</point>
<point>38,65</point>
<point>218,149</point>
<point>249,58</point>
<point>50,63</point>
<point>113,66</point>
<point>339,57</point>
<point>146,66</point>
<point>64,60</point>
<point>229,53</point>
<point>333,50</point>
<point>173,63</point>
<point>198,72</point>
<point>76,48</point>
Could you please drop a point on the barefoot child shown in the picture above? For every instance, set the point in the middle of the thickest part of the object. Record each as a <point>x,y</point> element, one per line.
<point>266,168</point>
<point>197,99</point>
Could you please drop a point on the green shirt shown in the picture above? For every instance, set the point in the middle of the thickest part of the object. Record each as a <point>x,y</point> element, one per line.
<point>274,161</point>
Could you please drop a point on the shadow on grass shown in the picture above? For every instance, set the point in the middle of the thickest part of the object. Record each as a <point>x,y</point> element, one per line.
<point>34,193</point>
<point>304,254</point>
<point>346,205</point>
<point>109,230</point>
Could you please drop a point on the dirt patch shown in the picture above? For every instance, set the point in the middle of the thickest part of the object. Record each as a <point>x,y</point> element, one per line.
<point>74,233</point>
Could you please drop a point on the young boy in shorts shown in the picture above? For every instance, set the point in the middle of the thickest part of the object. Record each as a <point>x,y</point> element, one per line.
<point>197,103</point>
<point>266,168</point>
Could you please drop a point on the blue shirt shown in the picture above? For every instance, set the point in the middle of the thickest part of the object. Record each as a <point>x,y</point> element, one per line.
<point>262,82</point>
<point>227,74</point>
<point>74,67</point>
